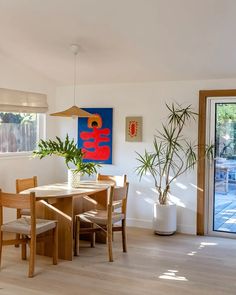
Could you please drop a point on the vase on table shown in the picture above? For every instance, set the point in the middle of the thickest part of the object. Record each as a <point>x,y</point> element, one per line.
<point>73,178</point>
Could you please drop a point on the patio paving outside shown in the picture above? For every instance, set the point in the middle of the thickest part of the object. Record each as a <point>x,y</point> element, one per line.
<point>225,210</point>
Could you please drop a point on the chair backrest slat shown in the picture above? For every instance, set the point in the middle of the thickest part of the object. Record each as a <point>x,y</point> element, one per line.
<point>119,180</point>
<point>26,183</point>
<point>16,201</point>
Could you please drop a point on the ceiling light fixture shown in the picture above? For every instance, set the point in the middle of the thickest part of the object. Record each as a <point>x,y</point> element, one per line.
<point>74,111</point>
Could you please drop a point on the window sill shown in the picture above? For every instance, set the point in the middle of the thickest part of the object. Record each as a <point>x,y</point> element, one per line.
<point>15,155</point>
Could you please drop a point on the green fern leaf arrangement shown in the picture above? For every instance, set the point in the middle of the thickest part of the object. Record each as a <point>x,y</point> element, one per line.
<point>68,150</point>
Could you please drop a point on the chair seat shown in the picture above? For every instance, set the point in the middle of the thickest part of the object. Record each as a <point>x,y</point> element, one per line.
<point>23,226</point>
<point>100,216</point>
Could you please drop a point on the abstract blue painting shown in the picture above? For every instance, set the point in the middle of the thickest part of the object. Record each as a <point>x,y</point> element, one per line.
<point>95,135</point>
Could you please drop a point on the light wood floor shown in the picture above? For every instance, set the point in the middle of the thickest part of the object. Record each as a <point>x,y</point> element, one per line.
<point>178,264</point>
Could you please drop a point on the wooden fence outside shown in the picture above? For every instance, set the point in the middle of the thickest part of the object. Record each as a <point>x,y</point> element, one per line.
<point>18,137</point>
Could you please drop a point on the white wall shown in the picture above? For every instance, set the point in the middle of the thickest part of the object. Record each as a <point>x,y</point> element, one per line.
<point>147,100</point>
<point>16,76</point>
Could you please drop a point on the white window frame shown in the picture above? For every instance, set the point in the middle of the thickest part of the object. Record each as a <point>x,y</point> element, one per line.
<point>41,134</point>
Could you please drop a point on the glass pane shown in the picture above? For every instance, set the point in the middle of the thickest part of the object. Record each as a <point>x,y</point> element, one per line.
<point>18,132</point>
<point>225,168</point>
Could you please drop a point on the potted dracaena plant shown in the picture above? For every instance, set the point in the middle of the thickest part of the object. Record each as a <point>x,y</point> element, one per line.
<point>173,155</point>
<point>73,156</point>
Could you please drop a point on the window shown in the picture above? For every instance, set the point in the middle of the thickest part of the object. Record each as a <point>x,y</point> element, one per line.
<point>20,132</point>
<point>22,121</point>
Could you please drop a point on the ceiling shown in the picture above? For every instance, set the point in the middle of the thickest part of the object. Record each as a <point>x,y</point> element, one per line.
<point>121,40</point>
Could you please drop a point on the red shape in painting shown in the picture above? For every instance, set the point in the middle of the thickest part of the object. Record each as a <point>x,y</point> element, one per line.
<point>99,152</point>
<point>133,128</point>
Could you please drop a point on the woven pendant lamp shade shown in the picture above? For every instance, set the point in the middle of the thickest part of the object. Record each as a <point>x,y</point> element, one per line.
<point>74,111</point>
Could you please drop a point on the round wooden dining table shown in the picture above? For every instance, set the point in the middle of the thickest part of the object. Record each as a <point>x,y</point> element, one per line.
<point>60,202</point>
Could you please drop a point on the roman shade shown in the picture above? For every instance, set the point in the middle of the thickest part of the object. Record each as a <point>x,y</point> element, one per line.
<point>22,101</point>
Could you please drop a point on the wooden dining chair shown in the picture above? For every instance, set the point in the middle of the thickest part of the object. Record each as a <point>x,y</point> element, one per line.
<point>27,228</point>
<point>104,220</point>
<point>119,202</point>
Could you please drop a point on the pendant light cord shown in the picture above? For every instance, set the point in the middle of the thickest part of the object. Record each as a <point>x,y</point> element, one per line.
<point>75,56</point>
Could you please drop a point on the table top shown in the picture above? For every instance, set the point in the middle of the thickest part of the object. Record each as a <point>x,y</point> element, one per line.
<point>61,190</point>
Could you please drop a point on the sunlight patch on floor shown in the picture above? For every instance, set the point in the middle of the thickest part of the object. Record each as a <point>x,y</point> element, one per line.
<point>192,253</point>
<point>208,244</point>
<point>172,275</point>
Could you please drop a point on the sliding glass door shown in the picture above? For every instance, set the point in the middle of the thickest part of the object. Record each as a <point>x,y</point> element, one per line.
<point>221,180</point>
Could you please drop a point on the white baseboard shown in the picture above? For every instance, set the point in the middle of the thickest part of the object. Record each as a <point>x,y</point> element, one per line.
<point>144,223</point>
<point>186,229</point>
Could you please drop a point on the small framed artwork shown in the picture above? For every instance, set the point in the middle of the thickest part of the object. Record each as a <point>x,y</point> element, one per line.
<point>95,135</point>
<point>133,129</point>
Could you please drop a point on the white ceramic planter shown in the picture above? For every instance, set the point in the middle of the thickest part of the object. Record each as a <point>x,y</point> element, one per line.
<point>73,178</point>
<point>164,219</point>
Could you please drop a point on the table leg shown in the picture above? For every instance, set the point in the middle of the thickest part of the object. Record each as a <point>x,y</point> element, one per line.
<point>60,209</point>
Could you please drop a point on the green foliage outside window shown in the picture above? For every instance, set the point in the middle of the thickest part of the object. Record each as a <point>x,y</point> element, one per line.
<point>226,130</point>
<point>16,118</point>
